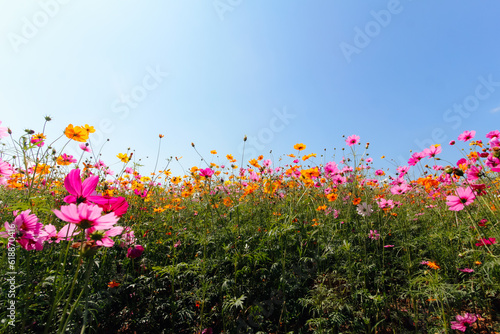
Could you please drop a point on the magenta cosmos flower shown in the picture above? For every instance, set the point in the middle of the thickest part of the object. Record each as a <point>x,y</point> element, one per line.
<point>352,140</point>
<point>486,241</point>
<point>207,172</point>
<point>466,135</point>
<point>135,251</point>
<point>463,321</point>
<point>465,197</point>
<point>26,230</point>
<point>86,216</point>
<point>80,191</point>
<point>118,205</point>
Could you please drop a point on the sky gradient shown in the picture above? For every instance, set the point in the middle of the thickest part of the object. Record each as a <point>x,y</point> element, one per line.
<point>402,75</point>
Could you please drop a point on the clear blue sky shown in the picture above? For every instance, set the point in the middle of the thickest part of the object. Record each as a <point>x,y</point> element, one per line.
<point>400,74</point>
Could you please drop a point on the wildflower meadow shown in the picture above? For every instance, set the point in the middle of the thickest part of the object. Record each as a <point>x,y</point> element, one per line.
<point>299,244</point>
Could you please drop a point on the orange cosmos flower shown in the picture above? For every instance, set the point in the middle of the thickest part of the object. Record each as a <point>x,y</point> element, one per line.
<point>113,284</point>
<point>331,197</point>
<point>213,152</point>
<point>433,265</point>
<point>356,201</point>
<point>76,133</point>
<point>305,157</point>
<point>254,163</point>
<point>299,147</point>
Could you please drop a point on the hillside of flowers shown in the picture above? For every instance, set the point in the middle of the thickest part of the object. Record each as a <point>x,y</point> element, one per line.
<point>302,244</point>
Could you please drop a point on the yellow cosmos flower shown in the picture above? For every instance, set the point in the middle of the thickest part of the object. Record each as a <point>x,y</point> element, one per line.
<point>123,157</point>
<point>89,128</point>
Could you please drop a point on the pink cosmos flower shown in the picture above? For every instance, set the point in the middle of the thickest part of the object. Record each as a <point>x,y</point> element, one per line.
<point>467,270</point>
<point>331,169</point>
<point>143,193</point>
<point>207,172</point>
<point>465,197</point>
<point>254,177</point>
<point>135,251</point>
<point>102,238</point>
<point>466,135</point>
<point>3,131</point>
<point>462,321</point>
<point>402,170</point>
<point>400,189</point>
<point>486,241</point>
<point>37,141</point>
<point>415,157</point>
<point>452,142</point>
<point>85,147</point>
<point>385,204</point>
<point>388,246</point>
<point>66,233</point>
<point>432,151</point>
<point>352,140</point>
<point>100,164</point>
<point>493,134</point>
<point>177,244</point>
<point>68,158</point>
<point>86,216</point>
<point>5,172</point>
<point>81,192</point>
<point>473,173</point>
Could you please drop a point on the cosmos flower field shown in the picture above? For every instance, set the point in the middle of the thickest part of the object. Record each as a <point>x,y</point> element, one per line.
<point>297,245</point>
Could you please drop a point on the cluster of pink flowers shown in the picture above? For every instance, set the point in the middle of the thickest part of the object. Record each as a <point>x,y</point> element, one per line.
<point>87,212</point>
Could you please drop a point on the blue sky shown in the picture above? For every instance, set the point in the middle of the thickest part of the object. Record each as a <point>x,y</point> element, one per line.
<point>400,74</point>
